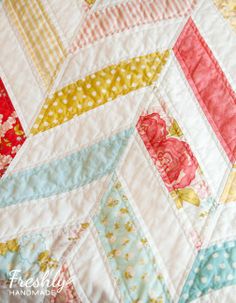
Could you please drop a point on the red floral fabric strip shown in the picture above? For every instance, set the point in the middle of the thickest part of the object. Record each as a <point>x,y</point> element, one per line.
<point>12,135</point>
<point>173,157</point>
<point>210,86</point>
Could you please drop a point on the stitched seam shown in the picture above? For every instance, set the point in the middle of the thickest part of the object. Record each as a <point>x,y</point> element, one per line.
<point>145,229</point>
<point>155,20</point>
<point>192,83</point>
<point>225,24</point>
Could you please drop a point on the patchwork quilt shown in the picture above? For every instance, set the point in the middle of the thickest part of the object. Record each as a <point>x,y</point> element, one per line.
<point>117,151</point>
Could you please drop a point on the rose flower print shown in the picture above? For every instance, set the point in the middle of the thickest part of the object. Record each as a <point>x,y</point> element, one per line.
<point>172,157</point>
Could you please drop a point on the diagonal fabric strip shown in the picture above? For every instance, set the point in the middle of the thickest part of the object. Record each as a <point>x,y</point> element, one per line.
<point>12,135</point>
<point>39,36</point>
<point>229,192</point>
<point>211,87</point>
<point>125,16</point>
<point>65,174</point>
<point>99,88</point>
<point>128,251</point>
<point>213,269</point>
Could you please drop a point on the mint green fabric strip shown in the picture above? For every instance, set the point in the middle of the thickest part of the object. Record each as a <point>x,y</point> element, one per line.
<point>128,251</point>
<point>213,269</point>
<point>65,174</point>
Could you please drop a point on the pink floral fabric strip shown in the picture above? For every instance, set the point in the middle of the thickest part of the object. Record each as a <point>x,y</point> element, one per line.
<point>118,18</point>
<point>210,86</point>
<point>174,160</point>
<point>172,156</point>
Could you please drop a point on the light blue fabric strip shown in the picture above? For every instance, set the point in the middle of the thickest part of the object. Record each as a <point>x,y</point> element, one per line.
<point>65,174</point>
<point>128,252</point>
<point>214,268</point>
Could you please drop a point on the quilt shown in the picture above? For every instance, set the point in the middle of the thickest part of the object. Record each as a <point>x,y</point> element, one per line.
<point>117,151</point>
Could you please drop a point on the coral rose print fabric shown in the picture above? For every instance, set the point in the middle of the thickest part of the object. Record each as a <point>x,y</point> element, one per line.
<point>172,157</point>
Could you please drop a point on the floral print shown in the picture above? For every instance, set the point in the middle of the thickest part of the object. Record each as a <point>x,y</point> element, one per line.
<point>128,251</point>
<point>153,127</point>
<point>27,254</point>
<point>46,261</point>
<point>173,157</point>
<point>11,245</point>
<point>11,133</point>
<point>176,163</point>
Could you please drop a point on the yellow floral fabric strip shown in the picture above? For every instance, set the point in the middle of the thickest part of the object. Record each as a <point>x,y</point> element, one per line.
<point>39,36</point>
<point>98,88</point>
<point>229,193</point>
<point>228,10</point>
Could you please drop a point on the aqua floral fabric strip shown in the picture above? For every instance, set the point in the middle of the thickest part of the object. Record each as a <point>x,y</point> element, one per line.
<point>128,251</point>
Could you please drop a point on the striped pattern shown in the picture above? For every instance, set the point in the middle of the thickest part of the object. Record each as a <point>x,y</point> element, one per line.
<point>118,18</point>
<point>39,36</point>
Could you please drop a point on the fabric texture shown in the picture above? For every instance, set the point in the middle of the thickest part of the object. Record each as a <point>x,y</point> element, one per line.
<point>117,151</point>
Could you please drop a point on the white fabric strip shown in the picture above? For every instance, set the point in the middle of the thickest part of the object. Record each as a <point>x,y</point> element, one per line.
<point>218,296</point>
<point>69,14</point>
<point>154,207</point>
<point>195,126</point>
<point>89,273</point>
<point>219,36</point>
<point>25,93</point>
<point>51,212</point>
<point>84,130</point>
<point>222,227</point>
<point>112,50</point>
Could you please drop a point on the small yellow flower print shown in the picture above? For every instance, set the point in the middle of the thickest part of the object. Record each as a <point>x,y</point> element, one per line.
<point>117,225</point>
<point>109,235</point>
<point>45,261</point>
<point>124,210</point>
<point>117,185</point>
<point>129,226</point>
<point>85,225</point>
<point>112,202</point>
<point>129,273</point>
<point>144,241</point>
<point>13,245</point>
<point>114,253</point>
<point>3,249</point>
